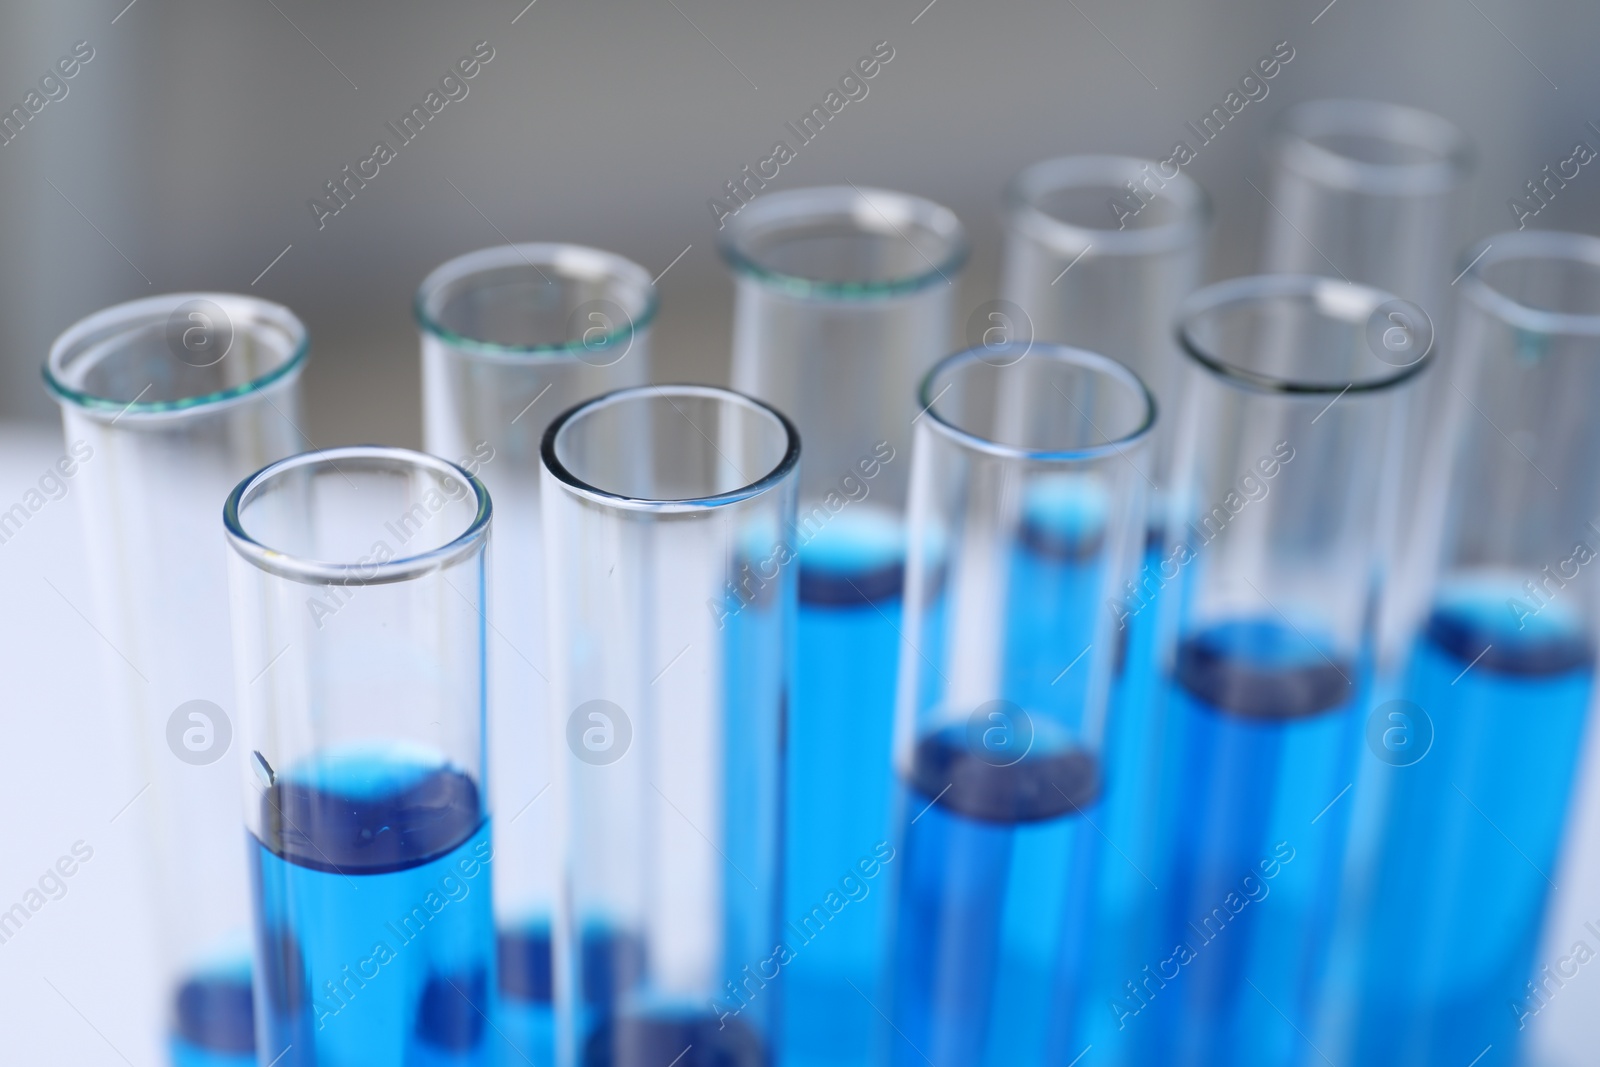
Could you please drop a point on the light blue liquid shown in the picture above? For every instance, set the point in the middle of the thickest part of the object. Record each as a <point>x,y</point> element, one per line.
<point>1262,728</point>
<point>527,1022</point>
<point>994,883</point>
<point>1127,902</point>
<point>374,927</point>
<point>995,916</point>
<point>215,1026</point>
<point>1471,834</point>
<point>839,781</point>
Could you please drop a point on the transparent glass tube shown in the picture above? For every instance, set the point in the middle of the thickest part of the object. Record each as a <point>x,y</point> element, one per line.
<point>844,302</point>
<point>1099,252</point>
<point>662,507</point>
<point>1476,759</point>
<point>511,337</point>
<point>1367,191</point>
<point>1027,513</point>
<point>166,403</point>
<point>1373,193</point>
<point>358,583</point>
<point>1285,469</point>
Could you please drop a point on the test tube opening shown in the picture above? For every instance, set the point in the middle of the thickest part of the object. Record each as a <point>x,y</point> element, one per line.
<point>1115,204</point>
<point>174,353</point>
<point>671,445</point>
<point>1372,146</point>
<point>1303,334</point>
<point>363,515</point>
<point>531,300</point>
<point>1546,283</point>
<point>1043,401</point>
<point>844,242</point>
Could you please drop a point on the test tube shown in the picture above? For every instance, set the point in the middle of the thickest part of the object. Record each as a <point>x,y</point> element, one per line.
<point>1027,512</point>
<point>844,302</point>
<point>512,336</point>
<point>1373,192</point>
<point>1367,191</point>
<point>1285,472</point>
<point>1477,755</point>
<point>669,524</point>
<point>166,403</point>
<point>358,581</point>
<point>1099,252</point>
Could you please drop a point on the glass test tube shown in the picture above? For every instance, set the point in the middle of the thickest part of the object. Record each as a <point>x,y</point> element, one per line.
<point>166,403</point>
<point>1373,192</point>
<point>1027,512</point>
<point>1099,252</point>
<point>662,507</point>
<point>844,302</point>
<point>1285,470</point>
<point>512,336</point>
<point>1476,761</point>
<point>358,584</point>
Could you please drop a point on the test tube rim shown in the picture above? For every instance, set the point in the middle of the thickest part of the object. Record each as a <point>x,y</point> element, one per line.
<point>132,314</point>
<point>1023,191</point>
<point>1530,244</point>
<point>1252,287</point>
<point>552,464</point>
<point>1292,143</point>
<point>324,572</point>
<point>539,255</point>
<point>928,402</point>
<point>832,201</point>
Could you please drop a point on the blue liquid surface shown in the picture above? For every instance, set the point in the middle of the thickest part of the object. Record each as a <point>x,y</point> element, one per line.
<point>374,930</point>
<point>527,986</point>
<point>839,782</point>
<point>995,916</point>
<point>1470,836</point>
<point>1262,732</point>
<point>622,1026</point>
<point>994,875</point>
<point>215,1026</point>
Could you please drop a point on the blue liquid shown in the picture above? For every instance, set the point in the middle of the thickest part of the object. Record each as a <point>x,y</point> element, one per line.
<point>527,987</point>
<point>1263,730</point>
<point>995,918</point>
<point>1126,909</point>
<point>1449,941</point>
<point>373,918</point>
<point>839,780</point>
<point>991,874</point>
<point>215,1026</point>
<point>623,1027</point>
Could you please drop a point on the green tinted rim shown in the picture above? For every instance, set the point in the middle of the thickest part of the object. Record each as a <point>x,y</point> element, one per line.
<point>139,312</point>
<point>540,256</point>
<point>827,202</point>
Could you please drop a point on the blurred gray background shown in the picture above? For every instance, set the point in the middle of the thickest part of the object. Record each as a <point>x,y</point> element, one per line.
<point>186,150</point>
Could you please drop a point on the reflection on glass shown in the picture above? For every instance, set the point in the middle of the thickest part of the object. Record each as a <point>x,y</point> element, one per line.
<point>844,302</point>
<point>669,525</point>
<point>167,402</point>
<point>357,579</point>
<point>512,336</point>
<point>1027,512</point>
